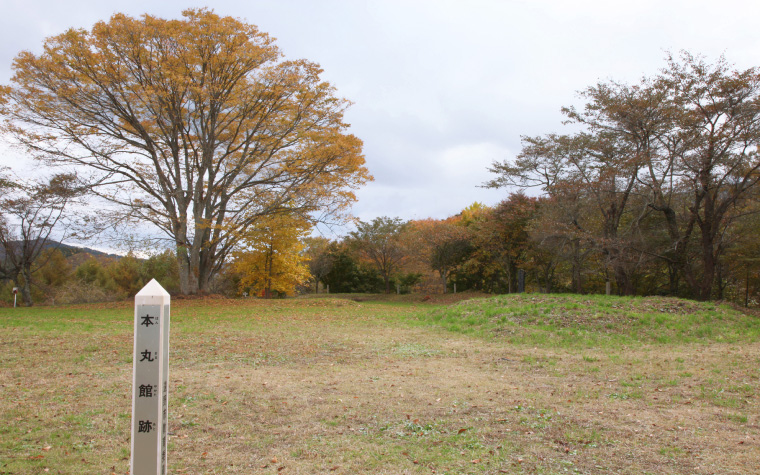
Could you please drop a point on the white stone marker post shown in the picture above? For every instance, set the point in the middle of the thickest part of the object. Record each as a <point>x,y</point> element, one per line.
<point>150,378</point>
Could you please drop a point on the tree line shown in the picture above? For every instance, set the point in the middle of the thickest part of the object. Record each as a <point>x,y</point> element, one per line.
<point>659,184</point>
<point>655,191</point>
<point>201,130</point>
<point>62,275</point>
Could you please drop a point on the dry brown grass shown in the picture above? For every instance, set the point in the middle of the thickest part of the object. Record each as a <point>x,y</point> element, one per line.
<point>343,387</point>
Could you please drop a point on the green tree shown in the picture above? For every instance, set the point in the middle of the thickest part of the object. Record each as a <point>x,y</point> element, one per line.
<point>348,275</point>
<point>56,269</point>
<point>163,268</point>
<point>92,272</point>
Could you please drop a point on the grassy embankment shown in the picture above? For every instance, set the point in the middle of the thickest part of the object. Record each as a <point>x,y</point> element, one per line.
<point>512,384</point>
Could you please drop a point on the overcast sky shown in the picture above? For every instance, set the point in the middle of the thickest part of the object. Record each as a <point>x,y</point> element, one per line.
<point>443,88</point>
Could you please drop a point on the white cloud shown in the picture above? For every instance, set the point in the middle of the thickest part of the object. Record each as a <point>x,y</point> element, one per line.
<point>444,87</point>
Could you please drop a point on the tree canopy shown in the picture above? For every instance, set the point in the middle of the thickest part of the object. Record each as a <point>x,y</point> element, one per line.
<point>677,151</point>
<point>197,126</point>
<point>379,243</point>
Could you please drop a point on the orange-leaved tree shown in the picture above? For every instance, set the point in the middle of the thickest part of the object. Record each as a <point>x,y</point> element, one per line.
<point>502,241</point>
<point>196,127</point>
<point>442,244</point>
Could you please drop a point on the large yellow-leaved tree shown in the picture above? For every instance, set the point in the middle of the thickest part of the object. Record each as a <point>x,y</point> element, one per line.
<point>197,127</point>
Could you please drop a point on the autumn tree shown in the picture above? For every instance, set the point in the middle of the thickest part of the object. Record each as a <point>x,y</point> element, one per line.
<point>55,271</point>
<point>738,270</point>
<point>558,165</point>
<point>502,239</point>
<point>196,126</point>
<point>379,242</point>
<point>31,213</point>
<point>696,129</point>
<point>682,145</point>
<point>640,119</point>
<point>443,245</point>
<point>599,168</point>
<point>719,125</point>
<point>271,259</point>
<point>320,259</point>
<point>125,273</point>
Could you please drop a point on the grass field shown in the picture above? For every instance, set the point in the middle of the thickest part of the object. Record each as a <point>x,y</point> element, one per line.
<point>513,384</point>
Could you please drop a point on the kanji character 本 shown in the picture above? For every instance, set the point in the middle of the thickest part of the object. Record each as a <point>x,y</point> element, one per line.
<point>145,426</point>
<point>147,320</point>
<point>146,390</point>
<point>146,355</point>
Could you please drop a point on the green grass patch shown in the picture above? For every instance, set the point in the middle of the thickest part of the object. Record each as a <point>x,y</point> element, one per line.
<point>579,321</point>
<point>414,350</point>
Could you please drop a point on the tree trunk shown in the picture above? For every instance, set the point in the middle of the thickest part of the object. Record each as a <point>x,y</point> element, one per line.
<point>623,280</point>
<point>673,279</point>
<point>720,282</point>
<point>576,268</point>
<point>188,283</point>
<point>268,264</point>
<point>548,280</point>
<point>708,266</point>
<point>679,263</point>
<point>26,287</point>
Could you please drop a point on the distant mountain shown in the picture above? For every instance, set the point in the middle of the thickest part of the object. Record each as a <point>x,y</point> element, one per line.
<point>69,251</point>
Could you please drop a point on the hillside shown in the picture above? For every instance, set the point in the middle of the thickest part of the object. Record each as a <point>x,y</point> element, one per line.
<point>569,320</point>
<point>69,251</point>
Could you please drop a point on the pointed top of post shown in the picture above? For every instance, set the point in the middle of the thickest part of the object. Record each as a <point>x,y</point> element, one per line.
<point>152,289</point>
